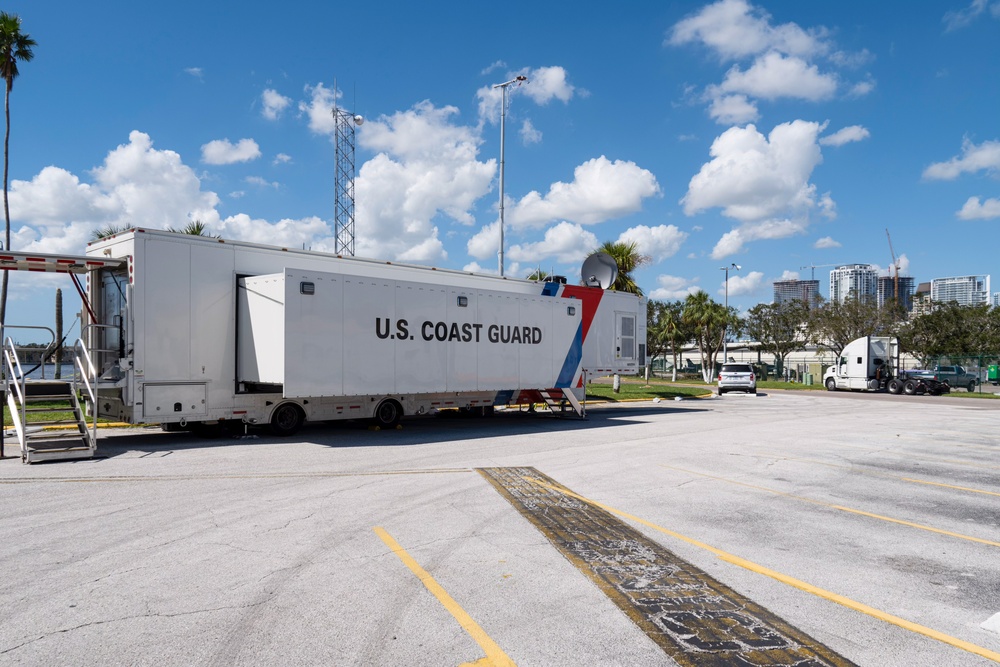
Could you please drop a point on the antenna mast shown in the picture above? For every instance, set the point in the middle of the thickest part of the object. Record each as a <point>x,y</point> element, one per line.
<point>343,177</point>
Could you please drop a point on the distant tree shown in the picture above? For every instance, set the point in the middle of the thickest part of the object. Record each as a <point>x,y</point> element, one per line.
<point>834,324</point>
<point>709,320</point>
<point>628,258</point>
<point>537,274</point>
<point>15,47</point>
<point>952,330</point>
<point>108,231</point>
<point>779,328</point>
<point>666,330</point>
<point>194,228</point>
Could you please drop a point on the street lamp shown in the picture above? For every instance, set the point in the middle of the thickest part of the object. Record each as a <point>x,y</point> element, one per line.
<point>725,326</point>
<point>503,121</point>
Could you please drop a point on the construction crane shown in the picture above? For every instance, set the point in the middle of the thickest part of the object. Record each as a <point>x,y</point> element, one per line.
<point>817,266</point>
<point>895,271</point>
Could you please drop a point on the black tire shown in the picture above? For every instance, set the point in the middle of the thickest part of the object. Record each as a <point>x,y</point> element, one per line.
<point>972,386</point>
<point>895,386</point>
<point>831,384</point>
<point>910,387</point>
<point>753,391</point>
<point>721,391</point>
<point>286,420</point>
<point>387,414</point>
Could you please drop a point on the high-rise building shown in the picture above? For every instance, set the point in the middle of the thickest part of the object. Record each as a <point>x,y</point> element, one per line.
<point>966,290</point>
<point>887,291</point>
<point>859,281</point>
<point>805,291</point>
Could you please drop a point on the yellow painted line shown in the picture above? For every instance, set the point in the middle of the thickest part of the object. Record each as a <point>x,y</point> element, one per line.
<point>494,654</point>
<point>851,510</point>
<point>795,583</point>
<point>874,473</point>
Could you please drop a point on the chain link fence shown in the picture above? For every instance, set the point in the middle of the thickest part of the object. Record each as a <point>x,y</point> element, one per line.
<point>971,373</point>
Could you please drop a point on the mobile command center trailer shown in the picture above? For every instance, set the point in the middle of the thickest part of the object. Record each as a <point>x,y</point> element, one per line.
<point>189,329</point>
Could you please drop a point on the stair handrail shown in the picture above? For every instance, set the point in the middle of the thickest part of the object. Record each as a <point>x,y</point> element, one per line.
<point>14,375</point>
<point>88,375</point>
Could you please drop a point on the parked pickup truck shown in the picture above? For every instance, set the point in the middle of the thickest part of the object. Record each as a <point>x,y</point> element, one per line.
<point>956,376</point>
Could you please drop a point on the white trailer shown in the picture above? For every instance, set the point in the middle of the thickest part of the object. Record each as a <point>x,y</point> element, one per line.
<point>185,329</point>
<point>866,364</point>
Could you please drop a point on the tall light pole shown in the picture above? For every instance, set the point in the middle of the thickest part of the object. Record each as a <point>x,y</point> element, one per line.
<point>503,122</point>
<point>725,326</point>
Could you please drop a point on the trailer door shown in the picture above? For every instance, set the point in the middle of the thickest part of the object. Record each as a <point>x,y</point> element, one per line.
<point>624,336</point>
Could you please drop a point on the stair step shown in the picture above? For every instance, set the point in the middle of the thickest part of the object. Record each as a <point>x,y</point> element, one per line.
<point>42,436</point>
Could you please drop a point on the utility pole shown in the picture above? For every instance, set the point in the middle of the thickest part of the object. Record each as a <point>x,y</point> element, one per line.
<point>503,121</point>
<point>725,327</point>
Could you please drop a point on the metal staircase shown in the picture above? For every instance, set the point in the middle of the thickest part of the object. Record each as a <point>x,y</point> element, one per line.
<point>562,402</point>
<point>33,401</point>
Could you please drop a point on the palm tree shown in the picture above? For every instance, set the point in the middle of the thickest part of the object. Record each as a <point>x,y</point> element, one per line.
<point>194,228</point>
<point>628,258</point>
<point>709,319</point>
<point>15,47</point>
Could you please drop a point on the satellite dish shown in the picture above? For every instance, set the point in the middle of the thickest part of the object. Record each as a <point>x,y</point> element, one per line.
<point>600,270</point>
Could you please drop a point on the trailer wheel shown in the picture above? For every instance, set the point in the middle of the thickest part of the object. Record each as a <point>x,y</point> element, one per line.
<point>388,413</point>
<point>895,386</point>
<point>831,384</point>
<point>910,387</point>
<point>287,420</point>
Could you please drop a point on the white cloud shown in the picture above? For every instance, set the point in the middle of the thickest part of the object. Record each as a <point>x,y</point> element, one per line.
<point>974,209</point>
<point>985,156</point>
<point>956,19</point>
<point>274,104</point>
<point>426,167</point>
<point>733,110</point>
<point>733,242</point>
<point>753,177</point>
<point>658,242</point>
<point>319,109</point>
<point>845,135</point>
<point>196,72</point>
<point>485,242</point>
<point>826,242</point>
<point>281,158</point>
<point>782,61</point>
<point>673,288</point>
<point>498,64</point>
<point>529,135</point>
<point>566,243</point>
<point>286,233</point>
<point>736,29</point>
<point>740,284</point>
<point>774,75</point>
<point>601,190</point>
<point>136,185</point>
<point>789,275</point>
<point>261,182</point>
<point>222,151</point>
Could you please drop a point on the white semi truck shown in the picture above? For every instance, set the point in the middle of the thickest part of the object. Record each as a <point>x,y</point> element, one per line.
<point>866,364</point>
<point>185,329</point>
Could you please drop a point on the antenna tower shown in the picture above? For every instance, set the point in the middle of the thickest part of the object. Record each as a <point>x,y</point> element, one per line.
<point>343,178</point>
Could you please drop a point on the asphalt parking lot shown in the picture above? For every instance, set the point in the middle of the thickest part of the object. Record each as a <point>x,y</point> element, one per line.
<point>787,528</point>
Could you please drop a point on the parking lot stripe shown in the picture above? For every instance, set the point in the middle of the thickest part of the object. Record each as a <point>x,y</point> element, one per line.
<point>850,510</point>
<point>697,620</point>
<point>495,656</point>
<point>875,473</point>
<point>795,583</point>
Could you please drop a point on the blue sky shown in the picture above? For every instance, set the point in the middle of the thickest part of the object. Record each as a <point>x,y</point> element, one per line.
<point>774,135</point>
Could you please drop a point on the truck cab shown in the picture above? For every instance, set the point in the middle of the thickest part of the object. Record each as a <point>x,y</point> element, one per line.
<point>866,364</point>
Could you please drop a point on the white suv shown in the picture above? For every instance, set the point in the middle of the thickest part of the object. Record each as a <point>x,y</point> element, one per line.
<point>737,376</point>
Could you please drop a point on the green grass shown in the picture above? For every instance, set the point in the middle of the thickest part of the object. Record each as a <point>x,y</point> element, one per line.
<point>47,416</point>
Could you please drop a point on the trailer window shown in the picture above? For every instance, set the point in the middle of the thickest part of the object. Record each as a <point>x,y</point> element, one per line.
<point>626,336</point>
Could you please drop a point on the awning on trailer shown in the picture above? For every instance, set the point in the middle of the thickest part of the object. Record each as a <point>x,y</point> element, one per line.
<point>11,260</point>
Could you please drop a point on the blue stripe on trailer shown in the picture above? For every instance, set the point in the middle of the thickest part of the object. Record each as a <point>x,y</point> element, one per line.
<point>503,397</point>
<point>550,289</point>
<point>573,357</point>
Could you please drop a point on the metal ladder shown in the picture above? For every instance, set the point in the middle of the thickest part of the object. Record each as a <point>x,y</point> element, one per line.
<point>29,400</point>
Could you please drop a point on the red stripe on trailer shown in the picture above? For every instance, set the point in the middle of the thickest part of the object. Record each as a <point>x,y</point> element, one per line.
<point>591,297</point>
<point>239,412</point>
